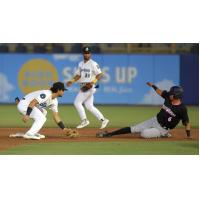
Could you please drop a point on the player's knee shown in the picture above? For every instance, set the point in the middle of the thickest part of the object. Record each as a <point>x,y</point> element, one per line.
<point>150,133</point>
<point>43,118</point>
<point>77,104</point>
<point>44,112</point>
<point>89,107</point>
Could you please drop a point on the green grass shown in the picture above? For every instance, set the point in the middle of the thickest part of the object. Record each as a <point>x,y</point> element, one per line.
<point>108,148</point>
<point>119,116</point>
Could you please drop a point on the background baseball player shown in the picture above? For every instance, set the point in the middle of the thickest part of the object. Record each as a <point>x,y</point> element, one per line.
<point>33,106</point>
<point>87,74</point>
<point>172,111</point>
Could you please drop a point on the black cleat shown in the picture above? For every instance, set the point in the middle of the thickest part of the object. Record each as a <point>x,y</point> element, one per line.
<point>103,134</point>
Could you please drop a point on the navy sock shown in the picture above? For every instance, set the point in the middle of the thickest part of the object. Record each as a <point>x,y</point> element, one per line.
<point>121,131</point>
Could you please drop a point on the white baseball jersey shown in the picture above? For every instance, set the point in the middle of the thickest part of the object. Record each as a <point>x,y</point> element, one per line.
<point>88,71</point>
<point>44,98</point>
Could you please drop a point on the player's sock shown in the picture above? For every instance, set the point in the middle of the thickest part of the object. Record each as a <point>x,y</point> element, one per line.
<point>121,131</point>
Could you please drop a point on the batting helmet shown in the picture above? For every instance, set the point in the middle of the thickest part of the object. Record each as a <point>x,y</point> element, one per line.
<point>176,91</point>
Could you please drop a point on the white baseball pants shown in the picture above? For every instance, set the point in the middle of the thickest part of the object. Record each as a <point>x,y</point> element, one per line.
<point>38,117</point>
<point>87,98</point>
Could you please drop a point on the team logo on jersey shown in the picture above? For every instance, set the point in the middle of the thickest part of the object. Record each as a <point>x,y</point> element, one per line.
<point>85,70</point>
<point>43,96</point>
<point>36,74</point>
<point>43,105</point>
<point>168,110</point>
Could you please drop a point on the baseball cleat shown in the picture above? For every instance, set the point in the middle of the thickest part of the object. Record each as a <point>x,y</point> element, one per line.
<point>31,137</point>
<point>104,123</point>
<point>40,135</point>
<point>17,135</point>
<point>103,134</point>
<point>83,124</point>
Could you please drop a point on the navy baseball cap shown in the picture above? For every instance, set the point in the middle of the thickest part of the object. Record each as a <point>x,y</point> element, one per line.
<point>59,86</point>
<point>86,49</point>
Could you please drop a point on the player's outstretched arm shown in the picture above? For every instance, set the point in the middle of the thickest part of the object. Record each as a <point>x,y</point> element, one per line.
<point>59,122</point>
<point>74,79</point>
<point>158,91</point>
<point>67,131</point>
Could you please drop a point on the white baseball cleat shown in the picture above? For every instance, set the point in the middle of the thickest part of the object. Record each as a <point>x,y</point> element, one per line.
<point>17,135</point>
<point>104,123</point>
<point>31,137</point>
<point>40,135</point>
<point>83,124</point>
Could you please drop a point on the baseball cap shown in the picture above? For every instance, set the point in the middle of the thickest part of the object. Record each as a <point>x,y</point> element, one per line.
<point>86,49</point>
<point>59,86</point>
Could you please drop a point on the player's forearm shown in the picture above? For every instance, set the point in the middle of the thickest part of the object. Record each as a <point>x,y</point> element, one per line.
<point>32,104</point>
<point>157,90</point>
<point>188,130</point>
<point>75,78</point>
<point>58,120</point>
<point>97,78</point>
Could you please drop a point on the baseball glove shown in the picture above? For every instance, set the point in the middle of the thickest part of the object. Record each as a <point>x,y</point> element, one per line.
<point>86,87</point>
<point>72,133</point>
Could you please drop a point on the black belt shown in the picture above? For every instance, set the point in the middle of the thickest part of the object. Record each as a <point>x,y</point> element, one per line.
<point>23,98</point>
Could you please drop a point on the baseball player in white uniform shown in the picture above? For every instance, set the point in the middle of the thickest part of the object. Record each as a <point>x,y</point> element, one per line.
<point>33,106</point>
<point>87,74</point>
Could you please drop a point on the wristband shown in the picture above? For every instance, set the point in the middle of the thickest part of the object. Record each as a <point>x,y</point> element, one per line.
<point>29,110</point>
<point>61,125</point>
<point>94,81</point>
<point>188,133</point>
<point>154,87</point>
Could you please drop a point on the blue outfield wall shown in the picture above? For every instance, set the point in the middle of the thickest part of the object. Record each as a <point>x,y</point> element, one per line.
<point>124,80</point>
<point>189,78</point>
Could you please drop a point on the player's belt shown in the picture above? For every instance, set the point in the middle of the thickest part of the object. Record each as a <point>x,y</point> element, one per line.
<point>23,98</point>
<point>83,84</point>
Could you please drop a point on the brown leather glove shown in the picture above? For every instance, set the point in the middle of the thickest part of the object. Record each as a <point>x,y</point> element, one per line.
<point>86,87</point>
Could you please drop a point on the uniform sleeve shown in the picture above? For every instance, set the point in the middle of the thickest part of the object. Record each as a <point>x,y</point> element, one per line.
<point>42,97</point>
<point>78,70</point>
<point>184,116</point>
<point>165,94</point>
<point>54,106</point>
<point>96,68</point>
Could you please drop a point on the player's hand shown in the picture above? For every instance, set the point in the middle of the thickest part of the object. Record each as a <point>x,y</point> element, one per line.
<point>69,83</point>
<point>67,130</point>
<point>70,133</point>
<point>149,84</point>
<point>25,118</point>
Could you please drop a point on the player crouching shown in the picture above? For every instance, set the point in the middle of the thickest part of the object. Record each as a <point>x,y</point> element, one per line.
<point>33,106</point>
<point>172,111</point>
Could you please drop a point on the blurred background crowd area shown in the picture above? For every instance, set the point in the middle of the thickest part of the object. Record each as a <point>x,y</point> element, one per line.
<point>158,48</point>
